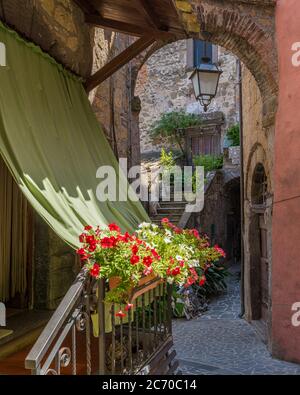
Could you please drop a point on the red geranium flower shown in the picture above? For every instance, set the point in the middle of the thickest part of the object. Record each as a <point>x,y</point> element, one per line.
<point>109,242</point>
<point>134,249</point>
<point>190,281</point>
<point>176,271</point>
<point>113,227</point>
<point>129,306</point>
<point>155,254</point>
<point>82,238</point>
<point>120,314</point>
<point>81,251</point>
<point>220,251</point>
<point>134,259</point>
<point>193,273</point>
<point>95,270</point>
<point>177,230</point>
<point>92,247</point>
<point>195,233</point>
<point>90,239</point>
<point>88,227</point>
<point>127,237</point>
<point>147,261</point>
<point>202,280</point>
<point>165,221</point>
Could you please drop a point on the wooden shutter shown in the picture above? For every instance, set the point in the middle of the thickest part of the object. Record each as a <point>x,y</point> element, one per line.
<point>199,52</point>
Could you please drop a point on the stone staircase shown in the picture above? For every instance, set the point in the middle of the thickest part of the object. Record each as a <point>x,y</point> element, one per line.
<point>172,210</point>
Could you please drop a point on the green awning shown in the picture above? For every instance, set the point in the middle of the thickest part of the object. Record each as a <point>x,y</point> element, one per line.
<point>53,145</point>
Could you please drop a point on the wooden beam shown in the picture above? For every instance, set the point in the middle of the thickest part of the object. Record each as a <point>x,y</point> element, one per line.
<point>126,28</point>
<point>149,13</point>
<point>119,61</point>
<point>86,6</point>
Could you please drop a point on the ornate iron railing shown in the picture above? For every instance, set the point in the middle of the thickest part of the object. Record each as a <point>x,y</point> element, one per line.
<point>84,335</point>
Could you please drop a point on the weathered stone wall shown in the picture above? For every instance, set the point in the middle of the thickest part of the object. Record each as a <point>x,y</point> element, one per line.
<point>111,101</point>
<point>220,217</point>
<point>163,85</point>
<point>257,148</point>
<point>57,26</point>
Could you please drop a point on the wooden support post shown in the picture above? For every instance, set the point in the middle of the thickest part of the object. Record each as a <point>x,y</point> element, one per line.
<point>119,61</point>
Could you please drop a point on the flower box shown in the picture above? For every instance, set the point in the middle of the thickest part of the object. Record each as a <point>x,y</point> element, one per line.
<point>146,283</point>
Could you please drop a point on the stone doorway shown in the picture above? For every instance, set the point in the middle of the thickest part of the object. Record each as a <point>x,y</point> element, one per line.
<point>259,253</point>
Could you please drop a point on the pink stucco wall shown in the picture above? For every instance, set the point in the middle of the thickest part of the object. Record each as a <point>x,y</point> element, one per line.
<point>286,215</point>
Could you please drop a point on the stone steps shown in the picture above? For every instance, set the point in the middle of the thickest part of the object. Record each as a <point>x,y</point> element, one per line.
<point>172,210</point>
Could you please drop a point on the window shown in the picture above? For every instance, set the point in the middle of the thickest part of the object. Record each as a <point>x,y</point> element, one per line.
<point>201,49</point>
<point>196,50</point>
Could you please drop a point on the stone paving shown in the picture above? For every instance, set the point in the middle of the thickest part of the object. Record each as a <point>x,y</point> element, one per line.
<point>220,343</point>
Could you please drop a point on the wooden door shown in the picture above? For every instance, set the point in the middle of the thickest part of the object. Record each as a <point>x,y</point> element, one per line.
<point>205,144</point>
<point>264,270</point>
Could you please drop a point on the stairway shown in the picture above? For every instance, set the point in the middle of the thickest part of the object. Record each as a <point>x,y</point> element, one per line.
<point>172,210</point>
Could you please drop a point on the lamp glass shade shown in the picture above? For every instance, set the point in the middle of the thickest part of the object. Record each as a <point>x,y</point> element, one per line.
<point>205,80</point>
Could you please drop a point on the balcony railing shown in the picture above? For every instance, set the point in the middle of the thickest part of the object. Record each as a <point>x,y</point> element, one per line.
<point>84,335</point>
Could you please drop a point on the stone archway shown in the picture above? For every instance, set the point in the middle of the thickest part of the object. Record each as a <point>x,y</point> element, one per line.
<point>260,257</point>
<point>254,30</point>
<point>245,28</point>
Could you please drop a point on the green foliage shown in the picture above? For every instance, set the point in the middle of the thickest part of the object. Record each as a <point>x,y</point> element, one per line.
<point>167,160</point>
<point>209,162</point>
<point>233,135</point>
<point>215,280</point>
<point>172,124</point>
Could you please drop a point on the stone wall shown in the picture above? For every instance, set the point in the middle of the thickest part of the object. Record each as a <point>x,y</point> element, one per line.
<point>111,101</point>
<point>220,217</point>
<point>257,148</point>
<point>163,85</point>
<point>57,26</point>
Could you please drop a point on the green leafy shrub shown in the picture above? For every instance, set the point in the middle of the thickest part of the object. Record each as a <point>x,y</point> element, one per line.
<point>233,135</point>
<point>209,162</point>
<point>215,280</point>
<point>167,160</point>
<point>171,126</point>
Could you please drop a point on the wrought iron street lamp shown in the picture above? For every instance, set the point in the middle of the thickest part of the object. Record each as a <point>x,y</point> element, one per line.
<point>205,79</point>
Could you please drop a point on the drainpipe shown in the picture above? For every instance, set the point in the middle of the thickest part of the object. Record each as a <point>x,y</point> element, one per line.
<point>241,187</point>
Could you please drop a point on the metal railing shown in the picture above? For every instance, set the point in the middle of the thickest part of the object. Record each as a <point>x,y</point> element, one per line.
<point>74,343</point>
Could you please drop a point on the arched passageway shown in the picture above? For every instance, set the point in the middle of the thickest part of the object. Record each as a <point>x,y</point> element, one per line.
<point>251,37</point>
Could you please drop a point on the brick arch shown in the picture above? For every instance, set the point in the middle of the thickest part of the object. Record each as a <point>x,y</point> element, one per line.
<point>247,30</point>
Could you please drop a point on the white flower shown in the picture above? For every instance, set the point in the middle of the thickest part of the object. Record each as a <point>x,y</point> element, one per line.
<point>193,263</point>
<point>170,280</point>
<point>144,225</point>
<point>168,232</point>
<point>154,226</point>
<point>179,258</point>
<point>167,240</point>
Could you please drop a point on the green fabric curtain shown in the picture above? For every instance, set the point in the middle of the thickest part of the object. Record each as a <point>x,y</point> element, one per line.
<point>53,145</point>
